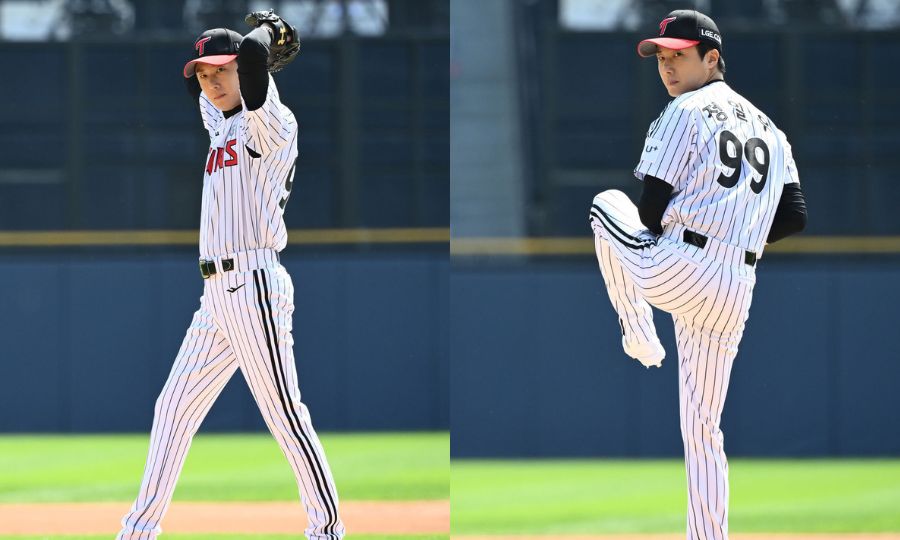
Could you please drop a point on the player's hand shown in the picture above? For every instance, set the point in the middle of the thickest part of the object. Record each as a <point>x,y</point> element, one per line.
<point>285,41</point>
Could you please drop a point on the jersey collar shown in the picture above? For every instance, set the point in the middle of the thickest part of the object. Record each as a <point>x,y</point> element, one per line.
<point>232,112</point>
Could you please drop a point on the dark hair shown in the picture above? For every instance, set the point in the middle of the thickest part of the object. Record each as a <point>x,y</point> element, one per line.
<point>704,48</point>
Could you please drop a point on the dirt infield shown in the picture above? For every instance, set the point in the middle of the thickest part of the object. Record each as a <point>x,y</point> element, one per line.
<point>375,517</point>
<point>737,536</point>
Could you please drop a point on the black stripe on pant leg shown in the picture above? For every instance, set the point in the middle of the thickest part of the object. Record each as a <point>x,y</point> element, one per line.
<point>255,375</point>
<point>320,470</point>
<point>278,387</point>
<point>614,235</point>
<point>611,228</point>
<point>289,413</point>
<point>619,229</point>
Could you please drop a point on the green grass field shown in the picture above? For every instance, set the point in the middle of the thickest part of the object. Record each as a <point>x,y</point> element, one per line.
<point>613,496</point>
<point>221,468</point>
<point>488,497</point>
<point>225,537</point>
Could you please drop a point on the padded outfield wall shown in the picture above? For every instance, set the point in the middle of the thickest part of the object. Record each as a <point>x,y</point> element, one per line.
<point>536,353</point>
<point>90,336</point>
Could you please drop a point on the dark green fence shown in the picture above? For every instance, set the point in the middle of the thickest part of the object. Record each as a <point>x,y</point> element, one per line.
<point>587,100</point>
<point>103,135</point>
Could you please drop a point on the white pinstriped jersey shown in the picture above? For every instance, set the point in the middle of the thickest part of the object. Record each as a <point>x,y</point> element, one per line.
<point>727,162</point>
<point>248,177</point>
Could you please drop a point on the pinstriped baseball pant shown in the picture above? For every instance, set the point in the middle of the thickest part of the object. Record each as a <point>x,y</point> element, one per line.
<point>709,300</point>
<point>244,321</point>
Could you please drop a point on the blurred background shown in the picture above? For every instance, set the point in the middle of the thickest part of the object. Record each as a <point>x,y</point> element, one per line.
<point>101,166</point>
<point>550,105</point>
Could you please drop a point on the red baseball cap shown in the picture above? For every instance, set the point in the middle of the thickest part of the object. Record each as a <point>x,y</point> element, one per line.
<point>681,29</point>
<point>215,47</point>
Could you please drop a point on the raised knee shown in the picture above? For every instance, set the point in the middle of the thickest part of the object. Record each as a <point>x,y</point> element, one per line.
<point>608,197</point>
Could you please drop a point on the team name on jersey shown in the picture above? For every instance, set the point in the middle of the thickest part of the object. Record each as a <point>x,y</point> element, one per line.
<point>217,159</point>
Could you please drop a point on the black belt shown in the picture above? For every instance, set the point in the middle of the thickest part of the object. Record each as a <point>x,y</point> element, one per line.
<point>208,268</point>
<point>697,239</point>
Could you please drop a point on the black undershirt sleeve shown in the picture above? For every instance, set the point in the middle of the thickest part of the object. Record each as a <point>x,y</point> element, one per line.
<point>252,73</point>
<point>193,87</point>
<point>790,216</point>
<point>654,201</point>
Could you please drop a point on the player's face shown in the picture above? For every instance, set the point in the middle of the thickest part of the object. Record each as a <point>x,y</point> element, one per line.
<point>220,84</point>
<point>684,71</point>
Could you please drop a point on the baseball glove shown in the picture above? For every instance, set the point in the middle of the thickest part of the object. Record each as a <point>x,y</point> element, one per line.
<point>285,42</point>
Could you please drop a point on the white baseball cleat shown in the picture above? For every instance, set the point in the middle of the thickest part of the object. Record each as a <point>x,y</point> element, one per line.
<point>650,354</point>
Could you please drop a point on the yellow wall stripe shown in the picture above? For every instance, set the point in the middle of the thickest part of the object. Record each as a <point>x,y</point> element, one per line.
<point>190,237</point>
<point>458,246</point>
<point>585,245</point>
<point>521,246</point>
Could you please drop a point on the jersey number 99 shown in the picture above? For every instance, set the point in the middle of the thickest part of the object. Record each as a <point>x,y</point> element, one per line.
<point>732,154</point>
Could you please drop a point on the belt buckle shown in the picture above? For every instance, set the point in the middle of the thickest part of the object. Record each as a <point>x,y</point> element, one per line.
<point>694,239</point>
<point>207,269</point>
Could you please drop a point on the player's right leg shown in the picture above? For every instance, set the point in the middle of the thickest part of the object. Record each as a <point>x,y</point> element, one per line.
<point>203,366</point>
<point>707,345</point>
<point>258,317</point>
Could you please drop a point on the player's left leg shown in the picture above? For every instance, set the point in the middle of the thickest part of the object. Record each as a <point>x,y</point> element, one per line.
<point>707,345</point>
<point>625,250</point>
<point>259,320</point>
<point>639,337</point>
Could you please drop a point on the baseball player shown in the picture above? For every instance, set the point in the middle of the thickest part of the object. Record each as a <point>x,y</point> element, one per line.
<point>719,183</point>
<point>244,319</point>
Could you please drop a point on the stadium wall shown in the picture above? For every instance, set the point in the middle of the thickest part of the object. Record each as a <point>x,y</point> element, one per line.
<point>89,337</point>
<point>538,369</point>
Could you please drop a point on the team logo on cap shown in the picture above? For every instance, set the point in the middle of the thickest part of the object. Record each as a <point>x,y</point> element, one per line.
<point>200,44</point>
<point>664,23</point>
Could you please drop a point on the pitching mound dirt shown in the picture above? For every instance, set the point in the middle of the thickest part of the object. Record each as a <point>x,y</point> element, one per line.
<point>376,517</point>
